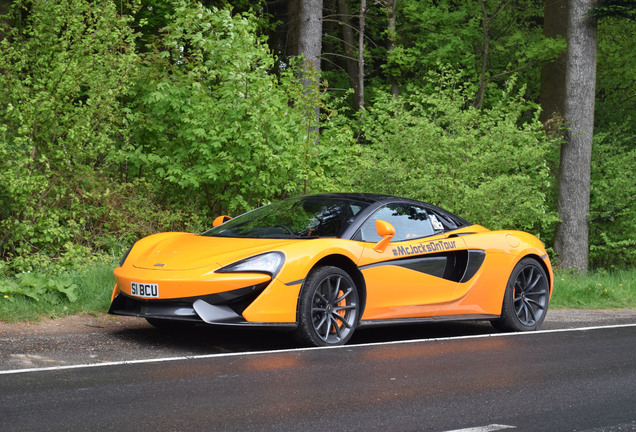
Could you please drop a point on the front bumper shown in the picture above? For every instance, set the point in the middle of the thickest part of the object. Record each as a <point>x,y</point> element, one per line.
<point>266,304</point>
<point>222,308</point>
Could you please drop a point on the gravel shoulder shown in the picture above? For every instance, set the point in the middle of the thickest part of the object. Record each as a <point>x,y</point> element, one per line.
<point>86,339</point>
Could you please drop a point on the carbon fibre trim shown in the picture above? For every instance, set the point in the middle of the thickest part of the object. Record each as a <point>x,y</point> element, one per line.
<point>445,265</point>
<point>222,315</point>
<point>433,264</point>
<point>129,306</point>
<point>181,308</point>
<point>445,318</point>
<point>401,262</point>
<point>296,282</point>
<point>475,260</point>
<point>459,266</point>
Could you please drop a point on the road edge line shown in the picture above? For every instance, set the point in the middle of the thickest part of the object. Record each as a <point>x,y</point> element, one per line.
<point>292,350</point>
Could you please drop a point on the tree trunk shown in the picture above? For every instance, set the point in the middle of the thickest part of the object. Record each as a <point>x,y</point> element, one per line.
<point>306,33</point>
<point>552,95</point>
<point>487,21</point>
<point>363,13</point>
<point>392,6</point>
<point>309,30</point>
<point>351,65</point>
<point>571,241</point>
<point>479,98</point>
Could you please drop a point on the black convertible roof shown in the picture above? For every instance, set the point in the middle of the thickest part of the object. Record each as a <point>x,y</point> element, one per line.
<point>382,199</point>
<point>359,196</point>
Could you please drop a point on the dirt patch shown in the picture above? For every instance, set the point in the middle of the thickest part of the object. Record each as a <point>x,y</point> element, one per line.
<point>72,324</point>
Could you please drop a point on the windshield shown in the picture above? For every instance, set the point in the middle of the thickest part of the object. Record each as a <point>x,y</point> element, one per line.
<point>304,217</point>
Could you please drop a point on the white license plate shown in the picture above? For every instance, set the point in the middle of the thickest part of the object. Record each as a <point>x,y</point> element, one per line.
<point>138,289</point>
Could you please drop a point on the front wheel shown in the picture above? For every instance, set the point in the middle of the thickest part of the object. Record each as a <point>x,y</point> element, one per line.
<point>525,302</point>
<point>329,308</point>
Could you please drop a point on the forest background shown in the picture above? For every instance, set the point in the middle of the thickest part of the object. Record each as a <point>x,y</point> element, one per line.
<point>119,119</point>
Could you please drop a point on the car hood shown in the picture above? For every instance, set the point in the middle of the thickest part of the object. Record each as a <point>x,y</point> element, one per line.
<point>183,251</point>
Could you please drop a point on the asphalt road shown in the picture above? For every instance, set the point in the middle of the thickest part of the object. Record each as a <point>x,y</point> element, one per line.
<point>570,380</point>
<point>97,339</point>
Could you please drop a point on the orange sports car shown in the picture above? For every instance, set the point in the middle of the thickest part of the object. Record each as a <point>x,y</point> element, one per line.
<point>323,265</point>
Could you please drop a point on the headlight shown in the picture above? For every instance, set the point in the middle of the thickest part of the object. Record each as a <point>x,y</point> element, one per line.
<point>269,262</point>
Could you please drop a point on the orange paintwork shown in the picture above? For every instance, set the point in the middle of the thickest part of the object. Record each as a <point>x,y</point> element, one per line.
<point>276,304</point>
<point>181,284</point>
<point>185,265</point>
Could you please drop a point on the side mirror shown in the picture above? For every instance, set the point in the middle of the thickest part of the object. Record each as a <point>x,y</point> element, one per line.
<point>220,220</point>
<point>386,231</point>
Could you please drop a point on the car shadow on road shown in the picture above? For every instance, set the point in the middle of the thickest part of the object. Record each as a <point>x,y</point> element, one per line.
<point>203,339</point>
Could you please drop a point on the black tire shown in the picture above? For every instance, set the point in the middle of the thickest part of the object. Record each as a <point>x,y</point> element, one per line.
<point>328,308</point>
<point>525,301</point>
<point>168,324</point>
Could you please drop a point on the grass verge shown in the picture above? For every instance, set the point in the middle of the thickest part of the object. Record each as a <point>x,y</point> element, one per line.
<point>81,291</point>
<point>600,289</point>
<point>89,290</point>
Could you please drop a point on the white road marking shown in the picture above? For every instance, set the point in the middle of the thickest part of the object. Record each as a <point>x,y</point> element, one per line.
<point>489,428</point>
<point>292,350</point>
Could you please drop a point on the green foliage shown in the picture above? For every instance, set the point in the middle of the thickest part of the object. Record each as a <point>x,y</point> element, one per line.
<point>40,288</point>
<point>613,199</point>
<point>451,32</point>
<point>211,123</point>
<point>443,31</point>
<point>614,8</point>
<point>118,121</point>
<point>30,296</point>
<point>616,74</point>
<point>613,189</point>
<point>487,165</point>
<point>64,72</point>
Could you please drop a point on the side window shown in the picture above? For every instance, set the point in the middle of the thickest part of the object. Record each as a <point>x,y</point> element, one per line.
<point>410,222</point>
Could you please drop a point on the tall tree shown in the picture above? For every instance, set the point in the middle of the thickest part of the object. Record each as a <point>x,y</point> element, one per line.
<point>347,39</point>
<point>307,36</point>
<point>307,30</point>
<point>351,64</point>
<point>391,6</point>
<point>552,94</point>
<point>363,14</point>
<point>571,241</point>
<point>486,24</point>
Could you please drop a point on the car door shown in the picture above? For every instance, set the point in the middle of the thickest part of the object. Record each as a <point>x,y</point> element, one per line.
<point>420,267</point>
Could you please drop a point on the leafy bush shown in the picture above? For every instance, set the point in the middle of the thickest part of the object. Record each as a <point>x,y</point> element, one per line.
<point>613,199</point>
<point>104,141</point>
<point>613,188</point>
<point>30,296</point>
<point>64,71</point>
<point>39,287</point>
<point>487,165</point>
<point>212,126</point>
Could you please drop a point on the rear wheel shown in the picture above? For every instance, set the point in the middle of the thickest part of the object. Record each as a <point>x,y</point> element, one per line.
<point>525,302</point>
<point>329,308</point>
